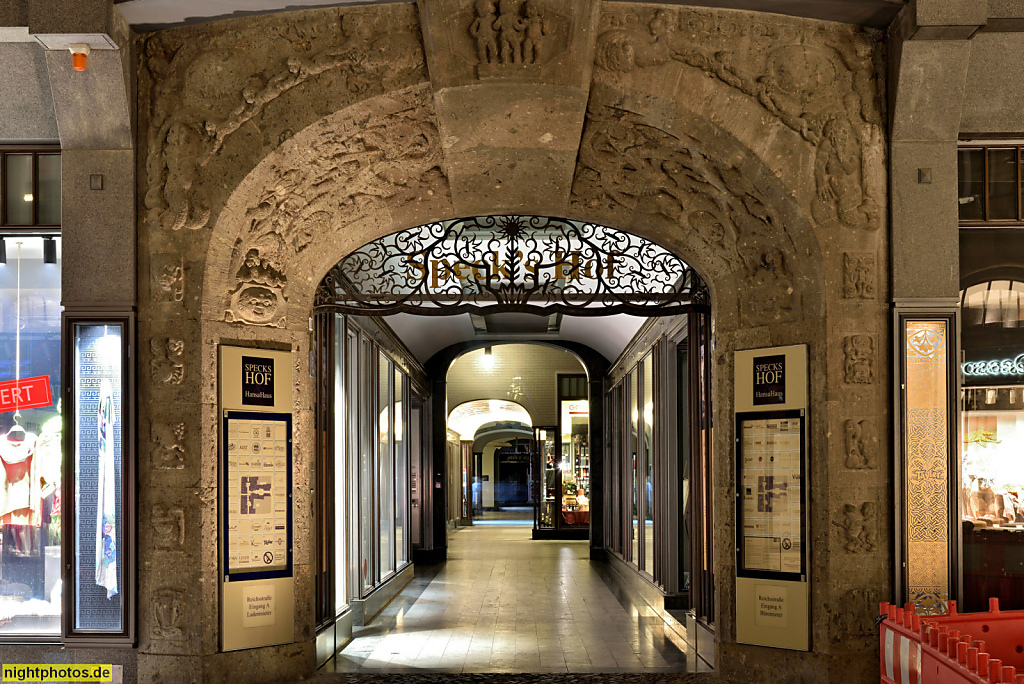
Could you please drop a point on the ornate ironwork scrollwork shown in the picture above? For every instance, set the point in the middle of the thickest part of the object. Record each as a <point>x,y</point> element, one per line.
<point>526,264</point>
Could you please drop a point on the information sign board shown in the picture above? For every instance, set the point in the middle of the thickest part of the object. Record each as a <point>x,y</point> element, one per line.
<point>770,458</point>
<point>257,496</point>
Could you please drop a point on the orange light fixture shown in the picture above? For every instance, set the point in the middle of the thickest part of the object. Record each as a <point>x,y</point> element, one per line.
<point>79,55</point>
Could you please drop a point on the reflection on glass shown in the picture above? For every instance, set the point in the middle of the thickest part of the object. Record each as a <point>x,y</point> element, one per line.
<point>634,545</point>
<point>98,525</point>
<point>341,408</point>
<point>49,189</point>
<point>18,198</point>
<point>971,182</point>
<point>1002,183</point>
<point>31,451</point>
<point>366,467</point>
<point>648,447</point>
<point>574,467</point>
<point>401,469</point>
<point>549,482</point>
<point>386,480</point>
<point>616,456</point>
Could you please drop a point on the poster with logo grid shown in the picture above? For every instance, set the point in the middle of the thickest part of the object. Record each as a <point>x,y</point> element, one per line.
<point>770,491</point>
<point>257,492</point>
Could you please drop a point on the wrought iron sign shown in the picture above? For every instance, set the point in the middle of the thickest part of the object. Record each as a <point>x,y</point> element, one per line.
<point>524,264</point>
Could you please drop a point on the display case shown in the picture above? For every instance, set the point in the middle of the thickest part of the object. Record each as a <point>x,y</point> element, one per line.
<point>546,464</point>
<point>98,510</point>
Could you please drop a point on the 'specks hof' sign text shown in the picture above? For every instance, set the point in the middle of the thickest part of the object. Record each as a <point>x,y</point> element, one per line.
<point>257,381</point>
<point>770,380</point>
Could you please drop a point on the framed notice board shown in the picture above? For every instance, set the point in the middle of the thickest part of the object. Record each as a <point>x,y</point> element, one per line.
<point>772,535</point>
<point>257,449</point>
<point>770,527</point>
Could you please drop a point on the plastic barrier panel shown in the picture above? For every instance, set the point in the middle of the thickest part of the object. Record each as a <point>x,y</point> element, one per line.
<point>956,648</point>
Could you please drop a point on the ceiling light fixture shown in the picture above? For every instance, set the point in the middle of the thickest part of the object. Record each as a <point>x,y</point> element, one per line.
<point>49,251</point>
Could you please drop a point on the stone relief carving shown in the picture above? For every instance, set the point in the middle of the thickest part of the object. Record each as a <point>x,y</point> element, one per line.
<point>169,446</point>
<point>394,157</point>
<point>859,275</point>
<point>857,525</point>
<point>861,441</point>
<point>859,362</point>
<point>671,178</point>
<point>854,615</point>
<point>169,614</point>
<point>511,37</point>
<point>168,523</point>
<point>820,85</point>
<point>189,126</point>
<point>168,362</point>
<point>168,278</point>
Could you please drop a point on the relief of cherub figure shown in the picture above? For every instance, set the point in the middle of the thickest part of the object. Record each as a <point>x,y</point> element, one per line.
<point>482,29</point>
<point>508,26</point>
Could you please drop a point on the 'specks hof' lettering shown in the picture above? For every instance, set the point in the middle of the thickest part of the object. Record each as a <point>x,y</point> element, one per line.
<point>257,381</point>
<point>770,379</point>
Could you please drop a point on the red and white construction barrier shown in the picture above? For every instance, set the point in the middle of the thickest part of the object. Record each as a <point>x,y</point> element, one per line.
<point>942,649</point>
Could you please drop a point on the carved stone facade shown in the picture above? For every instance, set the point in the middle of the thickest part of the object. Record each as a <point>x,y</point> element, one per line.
<point>749,144</point>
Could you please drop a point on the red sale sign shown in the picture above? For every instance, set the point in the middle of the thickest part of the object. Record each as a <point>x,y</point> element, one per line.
<point>25,394</point>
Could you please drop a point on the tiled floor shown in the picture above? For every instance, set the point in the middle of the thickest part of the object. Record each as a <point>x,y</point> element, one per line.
<point>505,603</point>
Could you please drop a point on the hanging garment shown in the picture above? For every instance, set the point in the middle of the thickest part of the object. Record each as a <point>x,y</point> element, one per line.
<point>20,500</point>
<point>106,505</point>
<point>49,455</point>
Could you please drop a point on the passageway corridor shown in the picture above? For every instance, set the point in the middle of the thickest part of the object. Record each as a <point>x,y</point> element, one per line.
<point>504,603</point>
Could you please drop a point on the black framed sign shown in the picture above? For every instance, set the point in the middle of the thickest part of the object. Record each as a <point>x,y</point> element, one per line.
<point>770,511</point>
<point>257,465</point>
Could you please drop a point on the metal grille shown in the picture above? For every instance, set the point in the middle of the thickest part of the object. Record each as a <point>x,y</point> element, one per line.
<point>526,264</point>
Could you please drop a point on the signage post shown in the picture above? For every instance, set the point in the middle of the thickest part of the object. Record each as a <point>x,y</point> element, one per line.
<point>257,578</point>
<point>772,579</point>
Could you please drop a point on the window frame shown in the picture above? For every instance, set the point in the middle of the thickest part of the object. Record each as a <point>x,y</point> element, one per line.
<point>35,150</point>
<point>125,318</point>
<point>985,146</point>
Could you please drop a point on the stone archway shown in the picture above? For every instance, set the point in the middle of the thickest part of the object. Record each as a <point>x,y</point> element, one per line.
<point>749,145</point>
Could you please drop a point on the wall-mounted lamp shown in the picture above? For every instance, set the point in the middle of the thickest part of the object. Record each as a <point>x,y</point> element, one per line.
<point>79,55</point>
<point>49,251</point>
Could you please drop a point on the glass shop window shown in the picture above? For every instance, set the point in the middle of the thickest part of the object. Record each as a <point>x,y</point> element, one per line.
<point>30,188</point>
<point>992,417</point>
<point>31,448</point>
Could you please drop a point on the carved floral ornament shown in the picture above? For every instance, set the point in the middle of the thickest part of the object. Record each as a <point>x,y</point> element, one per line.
<point>495,264</point>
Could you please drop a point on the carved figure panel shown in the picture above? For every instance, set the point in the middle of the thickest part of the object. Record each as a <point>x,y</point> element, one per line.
<point>625,163</point>
<point>168,362</point>
<point>854,615</point>
<point>168,446</point>
<point>860,274</point>
<point>860,439</point>
<point>859,359</point>
<point>169,614</point>
<point>858,527</point>
<point>392,157</point>
<point>168,278</point>
<point>168,524</point>
<point>200,93</point>
<point>820,84</point>
<point>512,37</point>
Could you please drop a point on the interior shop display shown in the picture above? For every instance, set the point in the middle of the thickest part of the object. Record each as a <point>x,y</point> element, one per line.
<point>99,395</point>
<point>30,442</point>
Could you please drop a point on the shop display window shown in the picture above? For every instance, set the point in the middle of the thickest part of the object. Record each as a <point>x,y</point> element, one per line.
<point>31,449</point>
<point>548,498</point>
<point>991,497</point>
<point>574,466</point>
